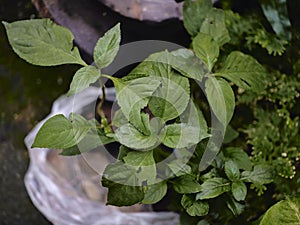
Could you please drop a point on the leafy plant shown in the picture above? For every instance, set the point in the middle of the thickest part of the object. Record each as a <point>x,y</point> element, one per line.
<point>168,147</point>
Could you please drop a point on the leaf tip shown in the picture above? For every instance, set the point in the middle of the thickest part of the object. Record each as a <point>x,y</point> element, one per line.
<point>5,24</point>
<point>69,93</point>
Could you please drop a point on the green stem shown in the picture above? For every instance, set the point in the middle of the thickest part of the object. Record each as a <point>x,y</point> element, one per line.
<point>100,104</point>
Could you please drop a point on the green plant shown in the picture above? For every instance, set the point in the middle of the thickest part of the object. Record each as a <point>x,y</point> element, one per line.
<point>168,147</point>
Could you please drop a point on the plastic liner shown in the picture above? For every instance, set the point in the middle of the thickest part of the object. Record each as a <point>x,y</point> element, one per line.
<point>147,10</point>
<point>68,191</point>
<point>151,10</point>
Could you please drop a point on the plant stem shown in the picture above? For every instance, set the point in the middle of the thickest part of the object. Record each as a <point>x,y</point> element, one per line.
<point>100,104</point>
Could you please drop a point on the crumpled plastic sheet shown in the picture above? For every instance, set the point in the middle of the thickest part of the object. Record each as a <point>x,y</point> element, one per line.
<point>151,10</point>
<point>58,199</point>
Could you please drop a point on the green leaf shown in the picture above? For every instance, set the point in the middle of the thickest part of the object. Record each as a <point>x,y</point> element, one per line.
<point>124,195</point>
<point>284,212</point>
<point>124,188</point>
<point>140,120</point>
<point>107,47</point>
<point>235,207</point>
<point>182,60</point>
<point>92,140</point>
<point>144,165</point>
<point>182,135</point>
<point>134,93</point>
<point>129,136</point>
<point>119,119</point>
<point>261,174</point>
<point>194,13</point>
<point>188,64</point>
<point>172,97</point>
<point>186,185</point>
<point>230,135</point>
<point>60,133</point>
<point>179,167</point>
<point>213,187</point>
<point>155,192</point>
<point>214,25</point>
<point>194,117</point>
<point>83,78</point>
<point>277,14</point>
<point>221,99</point>
<point>238,156</point>
<point>232,171</point>
<point>274,44</point>
<point>42,42</point>
<point>193,207</point>
<point>239,190</point>
<point>206,49</point>
<point>123,151</point>
<point>244,71</point>
<point>120,173</point>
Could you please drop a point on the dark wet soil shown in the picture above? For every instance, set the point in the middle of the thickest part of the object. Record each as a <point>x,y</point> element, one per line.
<point>26,95</point>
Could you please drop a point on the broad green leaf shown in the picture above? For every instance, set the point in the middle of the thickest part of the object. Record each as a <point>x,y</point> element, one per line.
<point>123,151</point>
<point>171,98</point>
<point>230,135</point>
<point>194,13</point>
<point>194,117</point>
<point>232,171</point>
<point>220,98</point>
<point>119,119</point>
<point>129,136</point>
<point>283,213</point>
<point>238,156</point>
<point>182,135</point>
<point>235,207</point>
<point>141,70</point>
<point>277,14</point>
<point>186,185</point>
<point>179,167</point>
<point>120,173</point>
<point>239,190</point>
<point>92,140</point>
<point>124,195</point>
<point>155,192</point>
<point>42,42</point>
<point>206,49</point>
<point>213,187</point>
<point>107,47</point>
<point>156,125</point>
<point>214,25</point>
<point>134,93</point>
<point>144,165</point>
<point>83,78</point>
<point>58,132</point>
<point>244,71</point>
<point>182,60</point>
<point>193,207</point>
<point>140,120</point>
<point>261,174</point>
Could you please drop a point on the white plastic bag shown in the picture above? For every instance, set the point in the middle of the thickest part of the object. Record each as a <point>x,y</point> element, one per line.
<point>67,191</point>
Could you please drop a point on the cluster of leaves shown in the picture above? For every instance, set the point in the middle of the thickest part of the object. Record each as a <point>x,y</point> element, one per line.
<point>250,30</point>
<point>167,146</point>
<point>273,136</point>
<point>275,108</point>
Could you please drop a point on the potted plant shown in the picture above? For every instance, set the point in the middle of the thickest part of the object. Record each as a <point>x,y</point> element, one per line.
<point>198,128</point>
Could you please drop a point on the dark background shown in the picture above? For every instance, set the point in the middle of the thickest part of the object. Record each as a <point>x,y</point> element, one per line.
<point>26,95</point>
